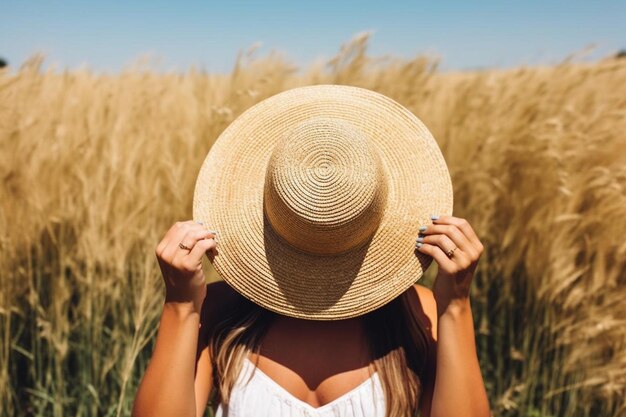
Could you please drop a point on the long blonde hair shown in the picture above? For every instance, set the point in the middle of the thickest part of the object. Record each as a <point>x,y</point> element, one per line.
<point>398,343</point>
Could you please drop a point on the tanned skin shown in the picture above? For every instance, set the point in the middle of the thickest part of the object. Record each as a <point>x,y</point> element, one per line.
<point>178,379</point>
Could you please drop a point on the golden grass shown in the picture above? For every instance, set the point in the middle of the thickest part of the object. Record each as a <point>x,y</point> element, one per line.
<point>94,168</point>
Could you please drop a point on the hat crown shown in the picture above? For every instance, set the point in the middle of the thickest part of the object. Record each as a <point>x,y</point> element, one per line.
<point>325,189</point>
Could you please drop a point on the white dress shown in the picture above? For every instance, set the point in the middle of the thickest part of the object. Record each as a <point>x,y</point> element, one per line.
<point>263,397</point>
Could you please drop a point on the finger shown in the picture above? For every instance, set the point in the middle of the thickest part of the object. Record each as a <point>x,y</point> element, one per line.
<point>190,239</point>
<point>453,232</point>
<point>172,247</point>
<point>443,241</point>
<point>202,247</point>
<point>464,226</point>
<point>170,234</point>
<point>441,258</point>
<point>193,261</point>
<point>194,234</point>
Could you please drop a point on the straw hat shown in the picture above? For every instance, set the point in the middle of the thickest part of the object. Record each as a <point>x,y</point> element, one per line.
<point>317,195</point>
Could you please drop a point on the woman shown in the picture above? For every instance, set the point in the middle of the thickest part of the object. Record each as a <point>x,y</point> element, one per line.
<point>320,314</point>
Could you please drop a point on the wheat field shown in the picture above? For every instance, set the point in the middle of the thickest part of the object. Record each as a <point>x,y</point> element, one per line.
<point>95,167</point>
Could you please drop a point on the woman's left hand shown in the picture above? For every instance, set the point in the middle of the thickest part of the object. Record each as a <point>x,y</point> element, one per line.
<point>452,284</point>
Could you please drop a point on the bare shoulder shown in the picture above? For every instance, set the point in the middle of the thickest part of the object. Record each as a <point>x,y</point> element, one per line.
<point>428,307</point>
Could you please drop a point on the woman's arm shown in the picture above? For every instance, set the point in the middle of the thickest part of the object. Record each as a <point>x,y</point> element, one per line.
<point>454,384</point>
<point>168,387</point>
<point>458,389</point>
<point>204,368</point>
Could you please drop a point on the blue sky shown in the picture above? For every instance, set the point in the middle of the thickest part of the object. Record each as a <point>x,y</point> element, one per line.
<point>109,36</point>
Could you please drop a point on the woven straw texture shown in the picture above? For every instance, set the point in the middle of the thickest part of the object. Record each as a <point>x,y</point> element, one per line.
<point>317,194</point>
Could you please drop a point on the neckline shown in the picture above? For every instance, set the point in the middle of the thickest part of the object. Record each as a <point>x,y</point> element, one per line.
<point>302,403</point>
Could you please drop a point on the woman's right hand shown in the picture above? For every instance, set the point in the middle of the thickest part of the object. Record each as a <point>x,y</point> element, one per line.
<point>182,268</point>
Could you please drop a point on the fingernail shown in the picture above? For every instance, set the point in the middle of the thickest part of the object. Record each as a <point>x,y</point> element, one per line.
<point>213,231</point>
<point>434,217</point>
<point>199,222</point>
<point>422,228</point>
<point>419,239</point>
<point>418,245</point>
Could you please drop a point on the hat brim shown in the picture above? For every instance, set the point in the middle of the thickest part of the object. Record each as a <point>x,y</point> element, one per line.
<point>263,267</point>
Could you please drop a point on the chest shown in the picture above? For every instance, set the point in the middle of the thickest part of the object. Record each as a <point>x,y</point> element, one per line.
<point>316,362</point>
<point>256,394</point>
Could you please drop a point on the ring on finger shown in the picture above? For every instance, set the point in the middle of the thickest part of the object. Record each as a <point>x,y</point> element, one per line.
<point>183,246</point>
<point>450,253</point>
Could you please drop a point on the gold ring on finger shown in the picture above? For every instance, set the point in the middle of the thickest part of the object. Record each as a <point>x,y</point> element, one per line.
<point>183,246</point>
<point>450,253</point>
